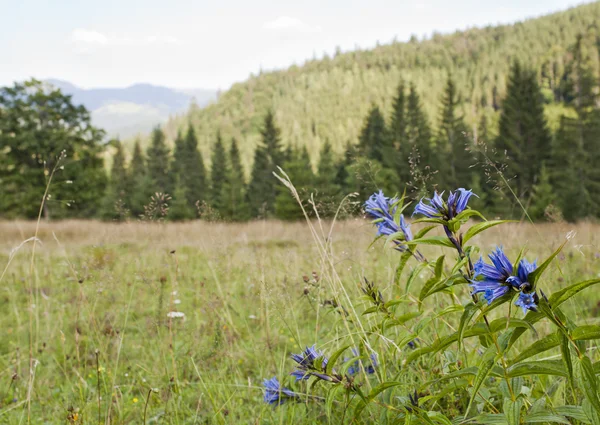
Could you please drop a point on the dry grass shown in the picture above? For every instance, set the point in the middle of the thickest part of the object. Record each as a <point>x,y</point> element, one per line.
<point>109,286</point>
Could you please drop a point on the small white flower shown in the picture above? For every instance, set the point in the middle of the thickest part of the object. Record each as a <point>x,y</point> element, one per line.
<point>174,293</point>
<point>173,314</point>
<point>252,316</point>
<point>176,301</point>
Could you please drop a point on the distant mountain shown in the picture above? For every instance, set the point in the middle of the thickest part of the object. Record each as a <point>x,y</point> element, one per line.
<point>125,112</point>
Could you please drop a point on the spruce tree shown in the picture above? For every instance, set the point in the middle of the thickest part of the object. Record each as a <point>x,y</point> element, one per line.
<point>543,195</point>
<point>194,173</point>
<point>115,201</point>
<point>398,134</point>
<point>180,156</point>
<point>342,172</point>
<point>328,191</point>
<point>218,174</point>
<point>179,208</point>
<point>140,185</point>
<point>271,138</point>
<point>299,170</point>
<point>158,163</point>
<point>523,133</point>
<point>260,196</point>
<point>374,140</point>
<point>453,144</point>
<point>421,156</point>
<point>234,203</point>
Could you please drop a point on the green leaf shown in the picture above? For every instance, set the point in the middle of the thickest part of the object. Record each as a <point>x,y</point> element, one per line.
<point>556,300</point>
<point>423,232</point>
<point>453,375</point>
<point>468,313</point>
<point>537,347</point>
<point>334,358</point>
<point>565,293</point>
<point>540,367</point>
<point>575,412</point>
<point>541,417</point>
<point>535,275</point>
<point>586,332</point>
<point>434,240</point>
<point>589,382</point>
<point>413,275</point>
<point>590,413</point>
<point>466,214</point>
<point>491,419</point>
<point>480,227</point>
<point>382,387</point>
<point>403,261</point>
<point>430,220</point>
<point>565,351</point>
<point>484,368</point>
<point>512,411</point>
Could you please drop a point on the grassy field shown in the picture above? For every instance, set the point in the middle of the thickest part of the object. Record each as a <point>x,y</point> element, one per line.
<point>90,305</point>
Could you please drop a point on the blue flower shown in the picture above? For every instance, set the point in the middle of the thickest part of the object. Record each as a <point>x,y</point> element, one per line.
<point>306,364</point>
<point>437,208</point>
<point>527,301</point>
<point>275,394</point>
<point>355,367</point>
<point>496,279</point>
<point>382,210</point>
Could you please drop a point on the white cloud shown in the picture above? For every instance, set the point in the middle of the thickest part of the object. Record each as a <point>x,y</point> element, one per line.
<point>84,38</point>
<point>81,35</point>
<point>286,23</point>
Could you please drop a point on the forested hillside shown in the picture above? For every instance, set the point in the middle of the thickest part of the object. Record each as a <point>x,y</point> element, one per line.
<point>328,99</point>
<point>512,112</point>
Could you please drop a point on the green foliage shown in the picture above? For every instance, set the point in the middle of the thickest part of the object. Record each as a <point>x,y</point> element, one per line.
<point>43,135</point>
<point>234,204</point>
<point>219,171</point>
<point>159,163</point>
<point>523,139</point>
<point>298,168</point>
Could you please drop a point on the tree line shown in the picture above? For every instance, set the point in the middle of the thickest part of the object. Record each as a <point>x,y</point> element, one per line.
<point>520,168</point>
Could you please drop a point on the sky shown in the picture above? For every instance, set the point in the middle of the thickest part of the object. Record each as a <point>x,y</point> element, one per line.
<point>213,44</point>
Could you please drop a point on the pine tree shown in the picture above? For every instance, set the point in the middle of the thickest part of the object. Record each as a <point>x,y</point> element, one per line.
<point>328,191</point>
<point>194,174</point>
<point>543,195</point>
<point>180,156</point>
<point>218,174</point>
<point>158,162</point>
<point>421,156</point>
<point>453,143</point>
<point>523,135</point>
<point>299,170</point>
<point>179,208</point>
<point>398,133</point>
<point>271,138</point>
<point>115,199</point>
<point>140,187</point>
<point>260,196</point>
<point>235,206</point>
<point>374,141</point>
<point>342,172</point>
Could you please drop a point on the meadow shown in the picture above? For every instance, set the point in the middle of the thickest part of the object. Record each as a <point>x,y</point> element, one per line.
<point>180,323</point>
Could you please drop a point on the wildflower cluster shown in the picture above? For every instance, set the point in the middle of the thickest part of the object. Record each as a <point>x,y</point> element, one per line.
<point>419,357</point>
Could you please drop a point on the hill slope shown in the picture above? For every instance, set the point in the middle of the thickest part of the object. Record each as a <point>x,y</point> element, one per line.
<point>329,98</point>
<point>135,109</point>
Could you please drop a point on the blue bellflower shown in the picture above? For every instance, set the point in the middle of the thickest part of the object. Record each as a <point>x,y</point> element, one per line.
<point>306,364</point>
<point>275,394</point>
<point>354,369</point>
<point>496,279</point>
<point>437,208</point>
<point>382,210</point>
